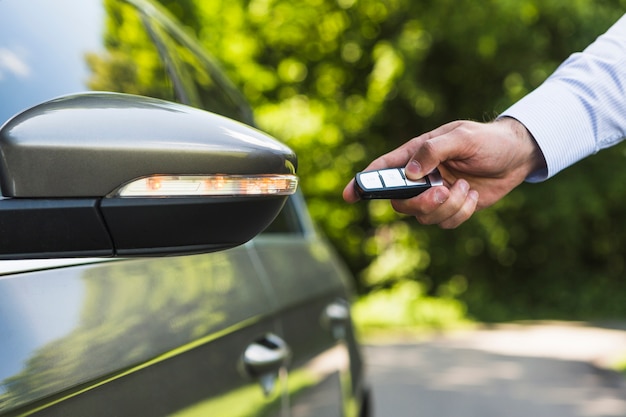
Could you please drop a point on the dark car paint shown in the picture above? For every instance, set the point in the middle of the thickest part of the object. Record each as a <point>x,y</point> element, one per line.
<point>163,336</point>
<point>62,162</point>
<point>45,150</point>
<point>75,325</point>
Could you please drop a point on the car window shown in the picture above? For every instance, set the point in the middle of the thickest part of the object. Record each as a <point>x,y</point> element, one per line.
<point>203,82</point>
<point>131,62</point>
<point>88,55</point>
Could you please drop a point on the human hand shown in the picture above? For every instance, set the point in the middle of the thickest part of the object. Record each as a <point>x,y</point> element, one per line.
<point>479,162</point>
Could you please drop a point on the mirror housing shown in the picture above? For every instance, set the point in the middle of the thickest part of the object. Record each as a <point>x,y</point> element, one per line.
<point>64,166</point>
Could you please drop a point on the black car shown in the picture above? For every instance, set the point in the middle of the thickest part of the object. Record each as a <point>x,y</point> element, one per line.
<point>156,258</point>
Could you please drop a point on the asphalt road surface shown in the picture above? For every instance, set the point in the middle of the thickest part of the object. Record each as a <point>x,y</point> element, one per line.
<point>540,370</point>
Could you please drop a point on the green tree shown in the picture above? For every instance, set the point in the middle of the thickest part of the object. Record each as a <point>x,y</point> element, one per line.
<point>342,81</point>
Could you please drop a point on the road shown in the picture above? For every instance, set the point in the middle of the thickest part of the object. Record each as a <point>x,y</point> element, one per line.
<point>538,370</point>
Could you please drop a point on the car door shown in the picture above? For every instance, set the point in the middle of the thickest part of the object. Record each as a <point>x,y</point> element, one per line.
<point>312,292</point>
<point>134,337</point>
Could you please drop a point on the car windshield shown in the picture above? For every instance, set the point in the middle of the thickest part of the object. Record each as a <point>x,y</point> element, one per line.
<point>28,57</point>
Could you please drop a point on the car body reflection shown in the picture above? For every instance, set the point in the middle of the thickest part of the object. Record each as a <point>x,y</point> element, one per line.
<point>116,315</point>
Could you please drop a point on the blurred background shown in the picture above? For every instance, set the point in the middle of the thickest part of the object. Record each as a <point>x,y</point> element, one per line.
<point>343,81</point>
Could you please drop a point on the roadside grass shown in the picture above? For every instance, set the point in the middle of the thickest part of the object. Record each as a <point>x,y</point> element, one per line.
<point>404,311</point>
<point>619,365</point>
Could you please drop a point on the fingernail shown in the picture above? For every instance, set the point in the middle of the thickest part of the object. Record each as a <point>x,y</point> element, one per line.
<point>440,196</point>
<point>464,186</point>
<point>413,169</point>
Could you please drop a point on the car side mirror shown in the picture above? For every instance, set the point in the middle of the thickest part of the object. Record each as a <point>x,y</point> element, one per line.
<point>107,174</point>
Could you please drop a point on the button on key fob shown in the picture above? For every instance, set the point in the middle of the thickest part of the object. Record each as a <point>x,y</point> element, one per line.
<point>391,183</point>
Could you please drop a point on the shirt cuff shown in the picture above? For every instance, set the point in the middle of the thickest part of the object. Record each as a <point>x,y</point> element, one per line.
<point>559,123</point>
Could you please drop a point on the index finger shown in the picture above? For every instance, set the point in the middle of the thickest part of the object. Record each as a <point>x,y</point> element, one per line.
<point>349,193</point>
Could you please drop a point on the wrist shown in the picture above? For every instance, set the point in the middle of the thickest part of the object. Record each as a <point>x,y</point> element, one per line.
<point>530,157</point>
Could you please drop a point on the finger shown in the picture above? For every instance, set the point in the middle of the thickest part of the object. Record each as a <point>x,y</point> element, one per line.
<point>349,193</point>
<point>396,158</point>
<point>434,210</point>
<point>450,207</point>
<point>467,210</point>
<point>400,156</point>
<point>446,143</point>
<point>424,204</point>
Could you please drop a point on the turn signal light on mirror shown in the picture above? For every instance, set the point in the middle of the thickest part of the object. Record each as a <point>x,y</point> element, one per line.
<point>209,185</point>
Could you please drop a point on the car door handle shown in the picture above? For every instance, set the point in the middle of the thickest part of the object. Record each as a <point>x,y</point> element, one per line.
<point>336,317</point>
<point>264,358</point>
<point>337,312</point>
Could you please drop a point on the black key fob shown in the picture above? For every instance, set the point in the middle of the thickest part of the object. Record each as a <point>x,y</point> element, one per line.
<point>391,183</point>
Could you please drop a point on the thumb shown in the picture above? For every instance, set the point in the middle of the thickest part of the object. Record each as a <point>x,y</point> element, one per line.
<point>435,147</point>
<point>421,164</point>
<point>414,170</point>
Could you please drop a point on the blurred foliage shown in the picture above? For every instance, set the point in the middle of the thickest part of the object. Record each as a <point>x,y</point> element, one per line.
<point>343,81</point>
<point>405,308</point>
<point>619,365</point>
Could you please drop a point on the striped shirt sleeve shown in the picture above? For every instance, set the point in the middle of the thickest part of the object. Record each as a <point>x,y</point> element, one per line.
<point>581,108</point>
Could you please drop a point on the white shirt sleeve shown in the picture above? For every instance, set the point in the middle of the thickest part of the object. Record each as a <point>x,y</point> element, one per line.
<point>581,107</point>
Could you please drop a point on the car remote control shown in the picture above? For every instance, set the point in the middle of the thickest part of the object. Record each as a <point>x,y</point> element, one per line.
<point>391,183</point>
